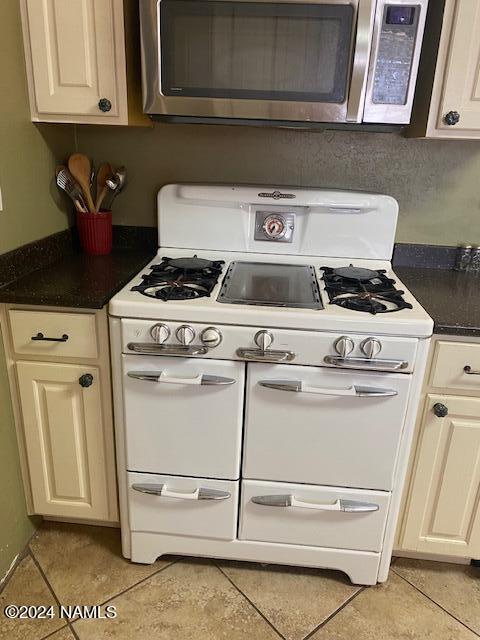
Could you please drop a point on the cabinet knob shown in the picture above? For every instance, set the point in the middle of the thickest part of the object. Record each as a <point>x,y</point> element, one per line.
<point>452,117</point>
<point>440,410</point>
<point>86,380</point>
<point>104,105</point>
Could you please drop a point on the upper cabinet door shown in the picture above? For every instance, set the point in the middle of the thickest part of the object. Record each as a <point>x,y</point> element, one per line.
<point>75,54</point>
<point>461,93</point>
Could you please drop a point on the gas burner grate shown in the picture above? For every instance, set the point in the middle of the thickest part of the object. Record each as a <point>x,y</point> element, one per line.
<point>180,278</point>
<point>364,290</point>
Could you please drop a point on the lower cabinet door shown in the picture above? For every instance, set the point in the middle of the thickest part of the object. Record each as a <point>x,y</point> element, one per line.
<point>443,509</point>
<point>314,516</point>
<point>64,436</point>
<point>183,506</point>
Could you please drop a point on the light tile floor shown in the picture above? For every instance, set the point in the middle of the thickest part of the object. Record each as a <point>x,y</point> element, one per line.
<point>187,598</point>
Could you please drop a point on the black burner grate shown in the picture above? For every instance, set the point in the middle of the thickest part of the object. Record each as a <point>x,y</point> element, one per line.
<point>363,290</point>
<point>180,279</point>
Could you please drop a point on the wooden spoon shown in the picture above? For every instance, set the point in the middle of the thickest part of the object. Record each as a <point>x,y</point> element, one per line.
<point>80,167</point>
<point>104,172</point>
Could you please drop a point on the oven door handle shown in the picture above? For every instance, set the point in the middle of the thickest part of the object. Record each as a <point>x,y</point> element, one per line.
<point>288,500</point>
<point>370,364</point>
<point>167,349</point>
<point>202,379</point>
<point>355,391</point>
<point>200,493</point>
<point>270,355</point>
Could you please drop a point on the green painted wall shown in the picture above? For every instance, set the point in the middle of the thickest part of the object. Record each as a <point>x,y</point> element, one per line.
<point>435,182</point>
<point>31,210</point>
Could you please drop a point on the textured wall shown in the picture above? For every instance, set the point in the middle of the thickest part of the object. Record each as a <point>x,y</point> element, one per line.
<point>27,161</point>
<point>437,183</point>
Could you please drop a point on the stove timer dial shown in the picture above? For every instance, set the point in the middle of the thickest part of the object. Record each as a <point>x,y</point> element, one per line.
<point>275,226</point>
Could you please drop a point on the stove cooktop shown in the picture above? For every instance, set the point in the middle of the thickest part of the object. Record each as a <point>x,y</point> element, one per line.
<point>360,289</point>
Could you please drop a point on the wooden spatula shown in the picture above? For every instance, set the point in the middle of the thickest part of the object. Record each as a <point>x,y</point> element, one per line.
<point>80,167</point>
<point>104,172</point>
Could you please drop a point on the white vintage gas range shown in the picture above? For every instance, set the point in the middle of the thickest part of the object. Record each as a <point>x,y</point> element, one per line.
<point>267,368</point>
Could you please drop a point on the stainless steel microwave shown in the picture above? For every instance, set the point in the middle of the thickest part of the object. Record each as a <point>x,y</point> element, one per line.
<point>298,60</point>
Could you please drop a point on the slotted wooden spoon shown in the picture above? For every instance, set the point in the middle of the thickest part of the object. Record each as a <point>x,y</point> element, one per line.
<point>80,167</point>
<point>104,172</point>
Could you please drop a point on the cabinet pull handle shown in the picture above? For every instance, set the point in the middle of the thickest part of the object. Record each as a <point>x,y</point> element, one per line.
<point>40,336</point>
<point>199,493</point>
<point>161,376</point>
<point>299,386</point>
<point>469,371</point>
<point>86,380</point>
<point>348,506</point>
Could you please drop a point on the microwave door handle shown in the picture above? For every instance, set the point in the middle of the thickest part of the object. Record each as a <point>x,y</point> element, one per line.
<point>354,391</point>
<point>361,54</point>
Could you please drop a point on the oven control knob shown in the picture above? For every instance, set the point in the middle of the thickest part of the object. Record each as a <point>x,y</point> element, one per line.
<point>160,332</point>
<point>211,337</point>
<point>371,347</point>
<point>344,346</point>
<point>185,334</point>
<point>263,339</point>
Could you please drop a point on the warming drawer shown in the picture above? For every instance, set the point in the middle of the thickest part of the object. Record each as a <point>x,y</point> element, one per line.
<point>183,506</point>
<point>321,426</point>
<point>315,516</point>
<point>183,416</point>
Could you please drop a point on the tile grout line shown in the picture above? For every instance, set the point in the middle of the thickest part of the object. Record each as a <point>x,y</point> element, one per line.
<point>120,593</point>
<point>332,615</point>
<point>436,603</point>
<point>270,624</point>
<point>47,582</point>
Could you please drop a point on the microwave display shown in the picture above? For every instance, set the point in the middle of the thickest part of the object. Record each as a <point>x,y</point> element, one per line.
<point>256,50</point>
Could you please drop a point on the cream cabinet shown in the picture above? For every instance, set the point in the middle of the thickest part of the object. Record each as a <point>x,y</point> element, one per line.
<point>59,371</point>
<point>442,505</point>
<point>450,108</point>
<point>76,59</point>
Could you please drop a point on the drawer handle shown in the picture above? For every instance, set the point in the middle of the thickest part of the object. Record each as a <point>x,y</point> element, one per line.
<point>270,355</point>
<point>299,386</point>
<point>167,349</point>
<point>348,506</point>
<point>161,376</point>
<point>200,493</point>
<point>469,371</point>
<point>370,364</point>
<point>40,336</point>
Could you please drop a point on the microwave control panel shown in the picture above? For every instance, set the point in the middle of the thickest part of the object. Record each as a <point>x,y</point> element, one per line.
<point>396,48</point>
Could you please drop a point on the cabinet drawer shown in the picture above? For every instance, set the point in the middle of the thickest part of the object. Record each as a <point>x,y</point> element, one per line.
<point>449,362</point>
<point>201,508</point>
<point>309,519</point>
<point>69,334</point>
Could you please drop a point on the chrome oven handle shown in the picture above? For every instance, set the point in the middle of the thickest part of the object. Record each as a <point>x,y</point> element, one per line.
<point>369,364</point>
<point>167,349</point>
<point>288,500</point>
<point>354,391</point>
<point>267,355</point>
<point>200,493</point>
<point>202,379</point>
<point>469,371</point>
<point>360,64</point>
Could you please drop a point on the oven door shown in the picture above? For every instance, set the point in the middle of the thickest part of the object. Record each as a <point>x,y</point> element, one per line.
<point>183,416</point>
<point>299,60</point>
<point>318,426</point>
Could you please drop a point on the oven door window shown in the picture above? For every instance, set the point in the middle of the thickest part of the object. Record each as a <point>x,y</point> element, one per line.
<point>256,50</point>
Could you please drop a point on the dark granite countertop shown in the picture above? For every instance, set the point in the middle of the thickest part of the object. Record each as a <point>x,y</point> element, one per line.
<point>77,280</point>
<point>451,298</point>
